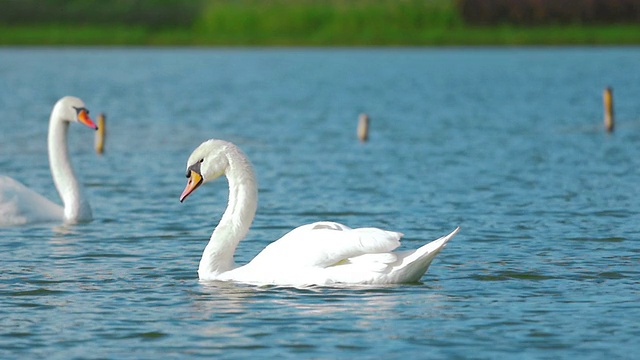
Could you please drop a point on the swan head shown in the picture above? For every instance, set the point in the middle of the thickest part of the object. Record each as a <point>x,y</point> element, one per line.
<point>206,163</point>
<point>72,109</point>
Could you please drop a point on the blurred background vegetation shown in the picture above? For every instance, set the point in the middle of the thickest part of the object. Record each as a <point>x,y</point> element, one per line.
<point>319,22</point>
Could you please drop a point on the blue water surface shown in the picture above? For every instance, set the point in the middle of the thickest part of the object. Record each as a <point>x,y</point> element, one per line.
<point>507,143</point>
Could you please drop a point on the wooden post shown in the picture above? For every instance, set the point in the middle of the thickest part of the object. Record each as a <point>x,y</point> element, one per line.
<point>607,97</point>
<point>363,127</point>
<point>101,133</point>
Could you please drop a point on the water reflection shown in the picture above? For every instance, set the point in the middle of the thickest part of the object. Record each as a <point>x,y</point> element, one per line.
<point>244,316</point>
<point>368,303</point>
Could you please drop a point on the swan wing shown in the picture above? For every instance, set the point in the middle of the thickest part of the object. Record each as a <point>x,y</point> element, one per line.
<point>325,244</point>
<point>20,205</point>
<point>388,268</point>
<point>313,256</point>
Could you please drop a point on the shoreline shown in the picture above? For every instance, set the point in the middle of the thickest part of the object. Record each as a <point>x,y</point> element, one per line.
<point>55,35</point>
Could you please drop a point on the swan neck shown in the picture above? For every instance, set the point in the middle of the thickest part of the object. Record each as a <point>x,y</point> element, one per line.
<point>236,220</point>
<point>76,207</point>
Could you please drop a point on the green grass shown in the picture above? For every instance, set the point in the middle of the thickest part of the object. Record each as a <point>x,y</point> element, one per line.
<point>549,35</point>
<point>544,35</point>
<point>318,23</point>
<point>363,22</point>
<point>73,35</point>
<point>458,36</point>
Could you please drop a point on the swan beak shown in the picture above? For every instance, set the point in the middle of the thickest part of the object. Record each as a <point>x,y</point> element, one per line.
<point>83,118</point>
<point>194,181</point>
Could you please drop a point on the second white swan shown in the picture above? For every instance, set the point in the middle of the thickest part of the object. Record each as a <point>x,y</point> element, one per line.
<point>322,253</point>
<point>21,205</point>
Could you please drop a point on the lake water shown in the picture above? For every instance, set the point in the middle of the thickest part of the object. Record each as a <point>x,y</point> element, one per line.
<point>507,143</point>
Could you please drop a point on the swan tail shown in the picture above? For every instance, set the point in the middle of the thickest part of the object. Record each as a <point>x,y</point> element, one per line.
<point>20,205</point>
<point>415,263</point>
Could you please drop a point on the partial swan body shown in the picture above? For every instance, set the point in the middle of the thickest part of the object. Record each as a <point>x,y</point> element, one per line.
<point>322,253</point>
<point>21,205</point>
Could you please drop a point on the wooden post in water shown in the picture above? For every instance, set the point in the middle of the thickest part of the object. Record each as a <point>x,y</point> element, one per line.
<point>101,133</point>
<point>363,127</point>
<point>607,98</point>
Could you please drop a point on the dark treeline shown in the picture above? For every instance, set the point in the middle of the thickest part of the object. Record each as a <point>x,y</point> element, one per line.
<point>151,13</point>
<point>172,13</point>
<point>318,22</point>
<point>549,12</point>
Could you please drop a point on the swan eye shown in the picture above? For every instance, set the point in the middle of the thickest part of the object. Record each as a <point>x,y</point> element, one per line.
<point>78,110</point>
<point>195,168</point>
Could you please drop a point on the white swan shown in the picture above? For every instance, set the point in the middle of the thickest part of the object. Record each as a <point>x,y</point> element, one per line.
<point>21,205</point>
<point>322,253</point>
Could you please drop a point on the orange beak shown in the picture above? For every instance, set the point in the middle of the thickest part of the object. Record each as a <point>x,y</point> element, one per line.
<point>83,117</point>
<point>194,181</point>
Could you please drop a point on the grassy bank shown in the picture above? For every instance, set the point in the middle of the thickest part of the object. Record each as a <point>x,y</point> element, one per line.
<point>308,23</point>
<point>53,35</point>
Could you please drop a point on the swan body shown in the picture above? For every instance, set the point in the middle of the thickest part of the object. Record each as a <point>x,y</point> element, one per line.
<point>321,253</point>
<point>21,205</point>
